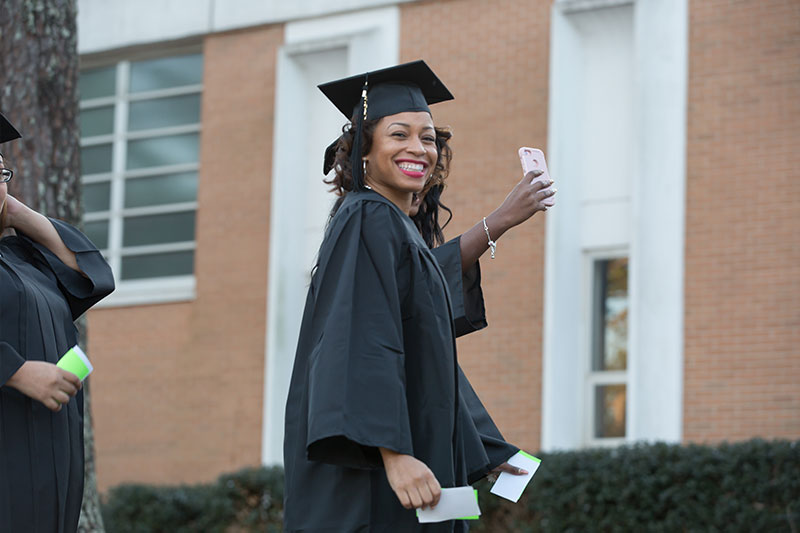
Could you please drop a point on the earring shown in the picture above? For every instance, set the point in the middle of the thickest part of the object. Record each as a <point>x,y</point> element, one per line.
<point>364,175</point>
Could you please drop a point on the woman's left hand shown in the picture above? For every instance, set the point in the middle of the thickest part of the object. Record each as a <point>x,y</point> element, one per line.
<point>507,468</point>
<point>524,200</point>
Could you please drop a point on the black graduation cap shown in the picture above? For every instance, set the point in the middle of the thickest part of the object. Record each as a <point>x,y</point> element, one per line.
<point>380,93</point>
<point>7,131</point>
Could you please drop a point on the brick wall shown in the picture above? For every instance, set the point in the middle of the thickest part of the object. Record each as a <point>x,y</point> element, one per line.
<point>179,387</point>
<point>742,314</point>
<point>493,56</point>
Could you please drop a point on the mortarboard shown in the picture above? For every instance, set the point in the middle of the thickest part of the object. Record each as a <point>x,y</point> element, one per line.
<point>7,131</point>
<point>380,93</point>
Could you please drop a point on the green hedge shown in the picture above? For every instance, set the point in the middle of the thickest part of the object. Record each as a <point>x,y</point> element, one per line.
<point>248,500</point>
<point>748,486</point>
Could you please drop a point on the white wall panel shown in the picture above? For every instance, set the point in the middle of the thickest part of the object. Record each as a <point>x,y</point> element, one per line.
<point>110,24</point>
<point>230,14</point>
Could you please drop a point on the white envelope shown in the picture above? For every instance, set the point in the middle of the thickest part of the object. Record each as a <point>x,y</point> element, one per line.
<point>511,487</point>
<point>455,503</point>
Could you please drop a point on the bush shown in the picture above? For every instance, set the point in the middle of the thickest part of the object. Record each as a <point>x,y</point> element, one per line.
<point>748,486</point>
<point>248,500</point>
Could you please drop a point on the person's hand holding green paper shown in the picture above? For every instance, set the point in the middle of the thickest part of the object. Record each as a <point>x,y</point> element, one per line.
<point>75,361</point>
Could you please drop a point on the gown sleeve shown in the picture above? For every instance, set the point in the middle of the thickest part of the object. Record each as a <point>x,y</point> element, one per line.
<point>494,447</point>
<point>356,369</point>
<point>485,447</point>
<point>10,362</point>
<point>81,292</point>
<point>465,288</point>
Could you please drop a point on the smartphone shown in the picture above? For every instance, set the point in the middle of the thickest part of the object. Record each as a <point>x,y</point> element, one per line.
<point>533,159</point>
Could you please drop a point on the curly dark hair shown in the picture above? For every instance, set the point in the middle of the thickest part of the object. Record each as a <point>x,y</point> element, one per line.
<point>427,218</point>
<point>342,181</point>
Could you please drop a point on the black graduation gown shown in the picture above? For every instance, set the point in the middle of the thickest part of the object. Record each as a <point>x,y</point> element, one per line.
<point>375,367</point>
<point>484,445</point>
<point>41,452</point>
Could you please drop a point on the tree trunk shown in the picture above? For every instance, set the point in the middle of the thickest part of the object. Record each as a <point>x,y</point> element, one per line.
<point>39,95</point>
<point>91,520</point>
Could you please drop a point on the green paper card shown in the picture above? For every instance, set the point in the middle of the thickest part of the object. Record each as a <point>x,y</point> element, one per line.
<point>457,503</point>
<point>75,361</point>
<point>509,486</point>
<point>476,517</point>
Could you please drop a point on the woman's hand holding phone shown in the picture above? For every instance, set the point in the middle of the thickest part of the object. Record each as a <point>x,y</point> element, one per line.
<point>527,198</point>
<point>532,159</point>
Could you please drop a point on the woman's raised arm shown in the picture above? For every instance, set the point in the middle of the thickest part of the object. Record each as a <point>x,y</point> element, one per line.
<point>37,227</point>
<point>524,200</point>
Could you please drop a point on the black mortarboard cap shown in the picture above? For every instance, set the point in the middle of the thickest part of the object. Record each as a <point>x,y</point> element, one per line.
<point>7,131</point>
<point>380,93</point>
<point>407,87</point>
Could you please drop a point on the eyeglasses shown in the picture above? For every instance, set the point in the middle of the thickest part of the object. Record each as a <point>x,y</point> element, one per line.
<point>5,175</point>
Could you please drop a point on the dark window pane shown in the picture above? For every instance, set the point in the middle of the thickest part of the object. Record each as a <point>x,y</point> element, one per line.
<point>610,315</point>
<point>609,411</point>
<point>97,82</point>
<point>96,196</point>
<point>159,151</point>
<point>97,121</point>
<point>96,159</point>
<point>158,229</point>
<point>97,232</point>
<point>166,72</point>
<point>157,265</point>
<point>158,190</point>
<point>164,112</point>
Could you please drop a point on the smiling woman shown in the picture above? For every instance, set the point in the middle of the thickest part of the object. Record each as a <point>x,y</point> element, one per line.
<point>431,170</point>
<point>377,420</point>
<point>402,156</point>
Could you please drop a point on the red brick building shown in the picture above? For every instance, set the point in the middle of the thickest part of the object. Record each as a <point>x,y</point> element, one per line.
<point>659,300</point>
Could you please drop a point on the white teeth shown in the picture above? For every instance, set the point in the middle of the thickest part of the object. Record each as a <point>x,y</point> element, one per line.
<point>413,167</point>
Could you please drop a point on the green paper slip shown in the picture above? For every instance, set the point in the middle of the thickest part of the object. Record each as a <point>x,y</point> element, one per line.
<point>476,517</point>
<point>529,456</point>
<point>456,503</point>
<point>510,486</point>
<point>75,361</point>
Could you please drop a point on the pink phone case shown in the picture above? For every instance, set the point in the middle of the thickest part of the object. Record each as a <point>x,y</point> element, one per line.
<point>533,159</point>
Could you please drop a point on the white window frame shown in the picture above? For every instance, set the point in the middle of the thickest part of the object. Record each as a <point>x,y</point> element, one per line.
<point>149,290</point>
<point>591,377</point>
<point>573,6</point>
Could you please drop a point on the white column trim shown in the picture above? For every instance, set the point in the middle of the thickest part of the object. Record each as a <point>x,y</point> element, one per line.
<point>656,247</point>
<point>372,39</point>
<point>655,407</point>
<point>562,361</point>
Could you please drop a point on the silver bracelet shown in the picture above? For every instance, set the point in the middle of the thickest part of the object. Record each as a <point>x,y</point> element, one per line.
<point>492,244</point>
